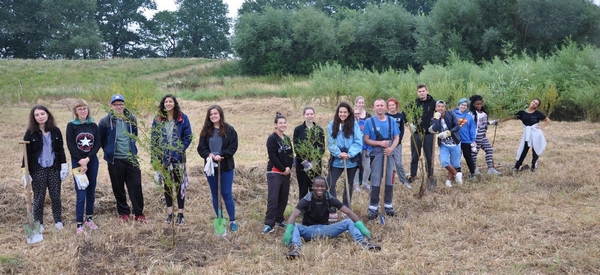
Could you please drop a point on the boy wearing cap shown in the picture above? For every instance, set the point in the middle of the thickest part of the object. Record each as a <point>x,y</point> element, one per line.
<point>120,153</point>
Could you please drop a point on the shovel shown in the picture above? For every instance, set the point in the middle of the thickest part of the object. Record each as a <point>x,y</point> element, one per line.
<point>432,181</point>
<point>32,229</point>
<point>220,222</point>
<point>347,187</point>
<point>382,190</point>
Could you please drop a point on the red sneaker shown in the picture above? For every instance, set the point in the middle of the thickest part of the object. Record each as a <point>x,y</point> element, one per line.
<point>141,218</point>
<point>125,218</point>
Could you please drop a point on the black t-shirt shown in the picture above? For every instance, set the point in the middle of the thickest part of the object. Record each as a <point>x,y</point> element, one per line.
<point>530,119</point>
<point>317,211</point>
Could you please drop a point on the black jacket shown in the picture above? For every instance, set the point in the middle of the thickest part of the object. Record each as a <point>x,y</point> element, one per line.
<point>228,149</point>
<point>428,106</point>
<point>36,144</point>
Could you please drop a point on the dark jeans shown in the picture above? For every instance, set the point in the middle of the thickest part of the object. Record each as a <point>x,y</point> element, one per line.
<point>467,154</point>
<point>333,176</point>
<point>279,190</point>
<point>86,198</point>
<point>415,149</point>
<point>124,172</point>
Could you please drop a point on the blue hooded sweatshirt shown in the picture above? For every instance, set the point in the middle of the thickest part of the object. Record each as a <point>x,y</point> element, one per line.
<point>468,126</point>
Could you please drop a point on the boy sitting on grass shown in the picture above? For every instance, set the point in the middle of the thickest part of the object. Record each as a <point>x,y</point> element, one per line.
<point>315,221</point>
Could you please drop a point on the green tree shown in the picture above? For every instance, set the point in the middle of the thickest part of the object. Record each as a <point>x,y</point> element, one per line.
<point>417,7</point>
<point>164,33</point>
<point>118,20</point>
<point>381,38</point>
<point>313,35</point>
<point>204,27</point>
<point>260,6</point>
<point>264,42</point>
<point>452,25</point>
<point>21,31</point>
<point>73,29</point>
<point>545,24</point>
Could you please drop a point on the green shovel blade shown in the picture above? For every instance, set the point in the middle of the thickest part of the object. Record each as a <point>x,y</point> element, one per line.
<point>220,224</point>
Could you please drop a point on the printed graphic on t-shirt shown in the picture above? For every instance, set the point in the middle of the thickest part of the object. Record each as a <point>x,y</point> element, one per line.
<point>85,141</point>
<point>462,121</point>
<point>283,147</point>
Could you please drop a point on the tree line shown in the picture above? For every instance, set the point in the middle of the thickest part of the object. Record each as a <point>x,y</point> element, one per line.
<point>406,34</point>
<point>292,36</point>
<point>91,29</point>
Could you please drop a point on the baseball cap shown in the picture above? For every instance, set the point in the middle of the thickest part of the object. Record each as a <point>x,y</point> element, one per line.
<point>116,98</point>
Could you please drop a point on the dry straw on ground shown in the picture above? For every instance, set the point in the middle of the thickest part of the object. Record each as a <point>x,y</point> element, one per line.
<point>529,223</point>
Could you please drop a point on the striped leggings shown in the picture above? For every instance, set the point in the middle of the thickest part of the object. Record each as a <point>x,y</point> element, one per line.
<point>483,143</point>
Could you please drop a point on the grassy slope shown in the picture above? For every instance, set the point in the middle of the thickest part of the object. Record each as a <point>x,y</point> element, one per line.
<point>514,224</point>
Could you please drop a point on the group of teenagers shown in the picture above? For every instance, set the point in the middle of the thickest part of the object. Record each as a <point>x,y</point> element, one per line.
<point>359,144</point>
<point>116,134</point>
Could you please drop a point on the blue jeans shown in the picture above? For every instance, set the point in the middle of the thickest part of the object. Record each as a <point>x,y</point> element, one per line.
<point>450,155</point>
<point>86,198</point>
<point>226,191</point>
<point>325,231</point>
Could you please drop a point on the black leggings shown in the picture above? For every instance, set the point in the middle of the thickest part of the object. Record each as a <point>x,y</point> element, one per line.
<point>466,152</point>
<point>524,154</point>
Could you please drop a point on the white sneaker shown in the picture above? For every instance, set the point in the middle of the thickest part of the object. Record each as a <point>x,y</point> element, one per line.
<point>449,183</point>
<point>493,171</point>
<point>41,228</point>
<point>357,188</point>
<point>407,185</point>
<point>59,226</point>
<point>458,178</point>
<point>477,171</point>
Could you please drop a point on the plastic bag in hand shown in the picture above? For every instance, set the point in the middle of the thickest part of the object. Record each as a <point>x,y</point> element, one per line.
<point>64,171</point>
<point>494,122</point>
<point>307,165</point>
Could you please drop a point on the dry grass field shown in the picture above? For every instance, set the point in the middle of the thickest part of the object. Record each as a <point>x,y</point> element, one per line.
<point>547,222</point>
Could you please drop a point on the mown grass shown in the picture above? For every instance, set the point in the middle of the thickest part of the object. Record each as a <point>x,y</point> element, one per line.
<point>527,223</point>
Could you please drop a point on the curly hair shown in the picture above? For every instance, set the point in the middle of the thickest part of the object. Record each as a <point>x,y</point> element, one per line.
<point>348,127</point>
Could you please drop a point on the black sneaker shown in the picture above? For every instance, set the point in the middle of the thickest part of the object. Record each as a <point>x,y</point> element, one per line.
<point>390,213</point>
<point>294,252</point>
<point>282,224</point>
<point>366,245</point>
<point>169,218</point>
<point>532,170</point>
<point>180,220</point>
<point>371,215</point>
<point>411,179</point>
